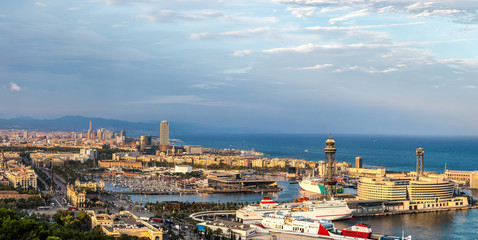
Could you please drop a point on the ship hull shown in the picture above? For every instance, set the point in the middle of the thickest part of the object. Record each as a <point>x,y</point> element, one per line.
<point>336,213</point>
<point>315,188</point>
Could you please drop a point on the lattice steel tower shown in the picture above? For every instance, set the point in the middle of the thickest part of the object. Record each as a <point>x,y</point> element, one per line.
<point>330,182</point>
<point>420,152</point>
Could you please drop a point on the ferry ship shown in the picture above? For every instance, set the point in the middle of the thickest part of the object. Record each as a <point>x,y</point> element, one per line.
<point>330,210</point>
<point>322,229</point>
<point>315,185</point>
<point>253,213</point>
<point>317,210</point>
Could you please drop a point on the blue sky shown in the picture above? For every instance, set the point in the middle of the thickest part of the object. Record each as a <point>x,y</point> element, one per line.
<point>350,66</point>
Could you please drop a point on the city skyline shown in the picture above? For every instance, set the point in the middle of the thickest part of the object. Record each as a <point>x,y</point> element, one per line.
<point>285,66</point>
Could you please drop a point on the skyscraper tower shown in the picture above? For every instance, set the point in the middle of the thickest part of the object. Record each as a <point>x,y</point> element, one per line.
<point>329,179</point>
<point>164,133</point>
<point>420,153</point>
<point>90,132</point>
<point>144,142</point>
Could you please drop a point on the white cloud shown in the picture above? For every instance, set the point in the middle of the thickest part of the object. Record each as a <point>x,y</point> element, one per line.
<point>241,52</point>
<point>307,2</point>
<point>304,12</point>
<point>210,85</point>
<point>471,87</point>
<point>427,13</point>
<point>466,11</point>
<point>238,70</point>
<point>241,33</point>
<point>308,47</point>
<point>199,35</point>
<point>175,16</point>
<point>385,9</point>
<point>361,26</point>
<point>14,87</point>
<point>359,13</point>
<point>318,66</point>
<point>236,34</point>
<point>418,6</point>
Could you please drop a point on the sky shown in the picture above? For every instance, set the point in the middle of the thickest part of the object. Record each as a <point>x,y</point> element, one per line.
<point>283,66</point>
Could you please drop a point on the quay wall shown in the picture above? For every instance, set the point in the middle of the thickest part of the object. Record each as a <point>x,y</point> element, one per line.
<point>415,211</point>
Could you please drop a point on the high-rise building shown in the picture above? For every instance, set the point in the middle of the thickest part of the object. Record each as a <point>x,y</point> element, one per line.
<point>90,132</point>
<point>145,142</point>
<point>164,133</point>
<point>358,162</point>
<point>100,133</point>
<point>123,133</point>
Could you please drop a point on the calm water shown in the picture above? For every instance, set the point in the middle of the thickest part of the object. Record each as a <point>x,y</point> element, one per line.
<point>396,153</point>
<point>436,225</point>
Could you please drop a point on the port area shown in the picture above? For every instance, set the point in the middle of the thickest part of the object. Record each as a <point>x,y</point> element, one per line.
<point>280,236</point>
<point>203,191</point>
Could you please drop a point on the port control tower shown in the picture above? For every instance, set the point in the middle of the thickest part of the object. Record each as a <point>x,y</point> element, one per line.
<point>330,182</point>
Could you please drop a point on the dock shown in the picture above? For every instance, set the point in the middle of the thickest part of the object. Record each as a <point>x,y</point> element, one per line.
<point>414,211</point>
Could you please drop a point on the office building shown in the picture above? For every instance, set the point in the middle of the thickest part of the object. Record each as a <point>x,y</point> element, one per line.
<point>469,178</point>
<point>358,162</point>
<point>164,133</point>
<point>193,149</point>
<point>145,142</point>
<point>90,132</point>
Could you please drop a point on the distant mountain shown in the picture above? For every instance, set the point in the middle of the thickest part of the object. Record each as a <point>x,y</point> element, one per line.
<point>79,123</point>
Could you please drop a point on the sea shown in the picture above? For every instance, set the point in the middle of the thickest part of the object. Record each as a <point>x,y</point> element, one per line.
<point>395,153</point>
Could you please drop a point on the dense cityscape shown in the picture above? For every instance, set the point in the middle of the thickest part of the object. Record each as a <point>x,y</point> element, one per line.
<point>238,119</point>
<point>72,185</point>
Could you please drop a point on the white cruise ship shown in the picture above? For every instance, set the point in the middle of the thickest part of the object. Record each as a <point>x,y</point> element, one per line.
<point>253,213</point>
<point>279,222</point>
<point>317,210</point>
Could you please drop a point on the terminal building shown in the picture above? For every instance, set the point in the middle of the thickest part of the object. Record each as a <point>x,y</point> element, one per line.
<point>418,190</point>
<point>383,188</point>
